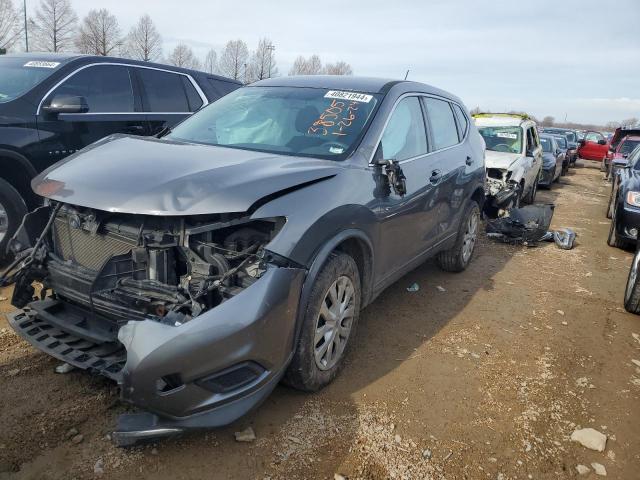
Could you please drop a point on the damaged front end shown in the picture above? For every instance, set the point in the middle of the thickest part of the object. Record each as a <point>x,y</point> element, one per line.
<point>193,316</point>
<point>502,192</point>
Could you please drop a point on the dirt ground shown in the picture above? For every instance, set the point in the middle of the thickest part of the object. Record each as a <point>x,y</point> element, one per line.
<point>483,374</point>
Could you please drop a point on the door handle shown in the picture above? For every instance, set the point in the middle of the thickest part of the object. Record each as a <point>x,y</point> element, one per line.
<point>469,160</point>
<point>436,175</point>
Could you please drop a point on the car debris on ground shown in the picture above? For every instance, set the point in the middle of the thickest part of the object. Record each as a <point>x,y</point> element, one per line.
<point>528,226</point>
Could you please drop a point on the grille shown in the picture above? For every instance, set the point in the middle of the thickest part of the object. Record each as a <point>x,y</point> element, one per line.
<point>86,249</point>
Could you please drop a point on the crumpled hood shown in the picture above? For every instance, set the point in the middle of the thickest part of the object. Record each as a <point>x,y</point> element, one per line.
<point>500,160</point>
<point>161,177</point>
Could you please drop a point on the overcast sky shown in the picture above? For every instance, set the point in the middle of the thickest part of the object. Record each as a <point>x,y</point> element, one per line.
<point>548,57</point>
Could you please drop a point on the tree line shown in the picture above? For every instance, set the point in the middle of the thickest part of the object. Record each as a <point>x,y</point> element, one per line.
<point>55,27</point>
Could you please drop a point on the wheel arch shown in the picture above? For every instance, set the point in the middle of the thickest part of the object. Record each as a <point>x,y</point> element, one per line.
<point>17,170</point>
<point>353,242</point>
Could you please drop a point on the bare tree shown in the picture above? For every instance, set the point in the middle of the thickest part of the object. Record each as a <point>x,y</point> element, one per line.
<point>144,42</point>
<point>548,121</point>
<point>54,26</point>
<point>182,56</point>
<point>314,65</point>
<point>263,62</point>
<point>299,66</point>
<point>233,59</point>
<point>338,68</point>
<point>99,34</point>
<point>9,24</point>
<point>306,66</point>
<point>211,62</point>
<point>630,122</point>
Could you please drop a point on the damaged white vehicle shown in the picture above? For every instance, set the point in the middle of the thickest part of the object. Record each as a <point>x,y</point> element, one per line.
<point>513,159</point>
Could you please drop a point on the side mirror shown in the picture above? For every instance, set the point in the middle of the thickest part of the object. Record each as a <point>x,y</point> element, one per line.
<point>602,142</point>
<point>393,172</point>
<point>67,104</point>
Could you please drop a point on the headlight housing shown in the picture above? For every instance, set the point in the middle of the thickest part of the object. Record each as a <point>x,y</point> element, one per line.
<point>633,199</point>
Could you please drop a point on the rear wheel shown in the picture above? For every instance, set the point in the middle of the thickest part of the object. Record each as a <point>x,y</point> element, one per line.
<point>12,209</point>
<point>632,292</point>
<point>329,325</point>
<point>459,256</point>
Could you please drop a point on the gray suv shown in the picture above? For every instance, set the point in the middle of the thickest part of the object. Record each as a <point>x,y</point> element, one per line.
<point>200,269</point>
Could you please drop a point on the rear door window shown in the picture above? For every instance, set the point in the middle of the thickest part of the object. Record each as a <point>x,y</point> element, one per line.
<point>405,136</point>
<point>463,121</point>
<point>167,92</point>
<point>443,125</point>
<point>107,88</point>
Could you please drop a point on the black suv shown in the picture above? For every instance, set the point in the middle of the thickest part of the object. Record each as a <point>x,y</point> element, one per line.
<point>52,105</point>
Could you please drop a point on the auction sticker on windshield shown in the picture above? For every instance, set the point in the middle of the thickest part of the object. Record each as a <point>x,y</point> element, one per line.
<point>506,135</point>
<point>353,96</point>
<point>41,64</point>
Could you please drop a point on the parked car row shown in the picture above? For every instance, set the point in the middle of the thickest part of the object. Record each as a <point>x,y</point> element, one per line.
<point>623,207</point>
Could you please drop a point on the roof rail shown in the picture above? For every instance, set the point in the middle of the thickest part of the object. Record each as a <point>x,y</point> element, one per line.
<point>523,116</point>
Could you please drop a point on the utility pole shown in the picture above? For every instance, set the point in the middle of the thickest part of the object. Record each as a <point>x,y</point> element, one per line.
<point>26,32</point>
<point>406,74</point>
<point>270,49</point>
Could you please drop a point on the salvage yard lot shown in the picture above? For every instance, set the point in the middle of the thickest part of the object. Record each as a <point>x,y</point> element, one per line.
<point>483,374</point>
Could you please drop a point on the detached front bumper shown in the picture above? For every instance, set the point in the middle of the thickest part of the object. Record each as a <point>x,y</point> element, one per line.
<point>204,373</point>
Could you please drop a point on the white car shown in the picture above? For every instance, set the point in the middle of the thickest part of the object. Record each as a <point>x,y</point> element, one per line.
<point>513,158</point>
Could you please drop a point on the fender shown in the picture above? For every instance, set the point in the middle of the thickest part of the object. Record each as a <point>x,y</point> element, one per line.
<point>317,264</point>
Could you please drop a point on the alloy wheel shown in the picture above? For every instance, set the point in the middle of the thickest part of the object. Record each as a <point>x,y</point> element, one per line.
<point>333,325</point>
<point>470,237</point>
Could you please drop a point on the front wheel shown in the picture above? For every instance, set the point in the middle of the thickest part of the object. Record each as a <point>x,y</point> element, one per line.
<point>614,239</point>
<point>531,196</point>
<point>632,292</point>
<point>458,257</point>
<point>12,209</point>
<point>329,324</point>
<point>610,205</point>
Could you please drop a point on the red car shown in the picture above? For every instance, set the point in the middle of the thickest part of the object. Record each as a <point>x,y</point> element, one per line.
<point>619,151</point>
<point>593,147</point>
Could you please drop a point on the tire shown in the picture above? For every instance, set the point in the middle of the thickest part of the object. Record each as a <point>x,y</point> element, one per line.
<point>457,258</point>
<point>565,168</point>
<point>12,209</point>
<point>614,240</point>
<point>632,291</point>
<point>310,370</point>
<point>610,204</point>
<point>531,196</point>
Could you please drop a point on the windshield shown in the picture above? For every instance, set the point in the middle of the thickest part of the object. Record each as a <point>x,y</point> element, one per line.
<point>546,144</point>
<point>19,75</point>
<point>627,146</point>
<point>284,120</point>
<point>502,139</point>
<point>562,142</point>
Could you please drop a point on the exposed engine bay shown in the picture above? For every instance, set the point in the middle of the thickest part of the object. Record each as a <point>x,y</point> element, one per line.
<point>502,192</point>
<point>134,267</point>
